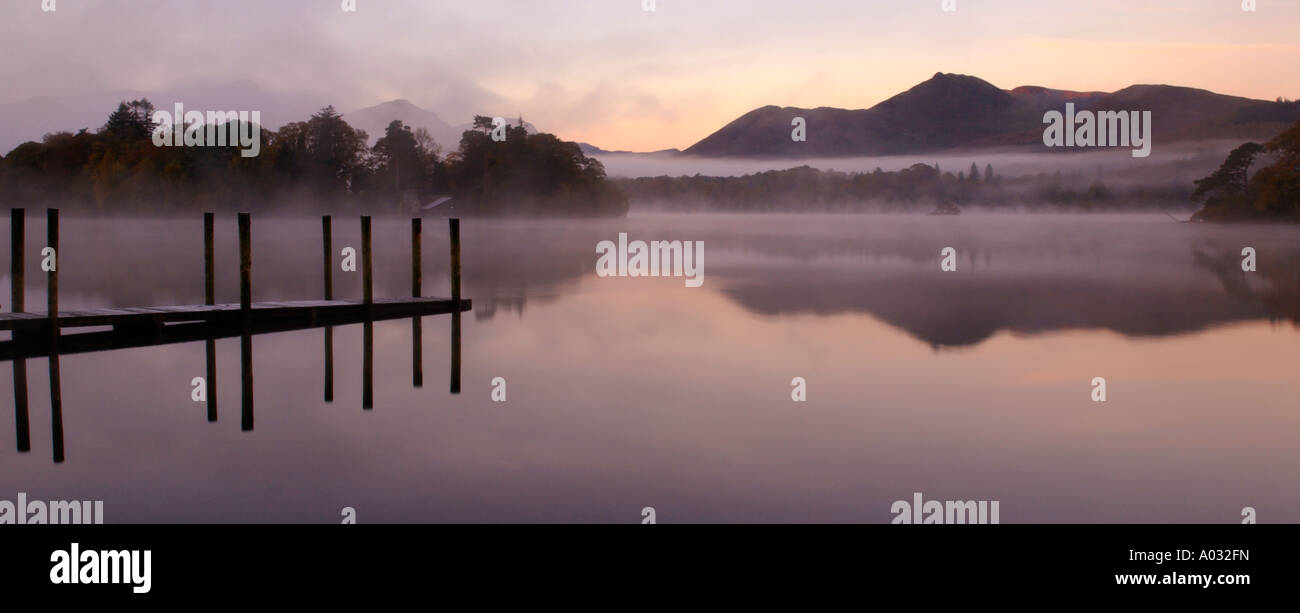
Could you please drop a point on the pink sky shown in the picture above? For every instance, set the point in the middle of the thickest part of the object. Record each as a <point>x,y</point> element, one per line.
<point>620,77</point>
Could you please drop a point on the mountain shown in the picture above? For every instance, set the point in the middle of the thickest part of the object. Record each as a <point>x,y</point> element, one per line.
<point>375,119</point>
<point>951,111</point>
<point>590,149</point>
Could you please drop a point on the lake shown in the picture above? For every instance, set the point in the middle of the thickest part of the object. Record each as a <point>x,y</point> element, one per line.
<point>625,393</point>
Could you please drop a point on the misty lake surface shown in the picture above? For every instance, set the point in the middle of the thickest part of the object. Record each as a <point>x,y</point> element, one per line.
<point>624,393</point>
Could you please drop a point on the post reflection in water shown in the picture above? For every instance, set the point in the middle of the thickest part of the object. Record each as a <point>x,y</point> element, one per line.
<point>56,399</point>
<point>21,425</point>
<point>210,358</point>
<point>50,347</point>
<point>246,382</point>
<point>329,363</point>
<point>368,366</point>
<point>455,352</point>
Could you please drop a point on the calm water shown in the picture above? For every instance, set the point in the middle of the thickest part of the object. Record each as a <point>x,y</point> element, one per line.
<point>625,393</point>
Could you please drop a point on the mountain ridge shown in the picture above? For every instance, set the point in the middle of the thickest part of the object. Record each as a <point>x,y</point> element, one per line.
<point>954,111</point>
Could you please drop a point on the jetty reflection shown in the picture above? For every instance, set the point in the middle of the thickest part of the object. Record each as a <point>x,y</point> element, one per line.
<point>41,335</point>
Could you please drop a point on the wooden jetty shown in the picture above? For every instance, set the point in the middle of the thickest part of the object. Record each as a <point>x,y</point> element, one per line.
<point>269,316</point>
<point>40,334</point>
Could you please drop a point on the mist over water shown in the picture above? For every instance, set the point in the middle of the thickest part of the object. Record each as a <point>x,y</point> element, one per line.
<point>633,392</point>
<point>1182,161</point>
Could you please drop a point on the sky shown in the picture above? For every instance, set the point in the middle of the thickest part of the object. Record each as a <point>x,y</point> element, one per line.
<point>616,75</point>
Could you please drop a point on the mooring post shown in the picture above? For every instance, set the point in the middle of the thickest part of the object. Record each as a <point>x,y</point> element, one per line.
<point>245,308</point>
<point>327,240</point>
<point>367,273</point>
<point>52,297</point>
<point>415,258</point>
<point>453,226</point>
<point>210,298</point>
<point>17,234</point>
<point>209,267</point>
<point>52,238</point>
<point>245,265</point>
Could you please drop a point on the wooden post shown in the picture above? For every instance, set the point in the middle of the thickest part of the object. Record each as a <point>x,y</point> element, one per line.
<point>417,329</point>
<point>415,258</point>
<point>453,226</point>
<point>52,239</point>
<point>52,297</point>
<point>367,277</point>
<point>327,240</point>
<point>17,234</point>
<point>245,265</point>
<point>210,298</point>
<point>209,267</point>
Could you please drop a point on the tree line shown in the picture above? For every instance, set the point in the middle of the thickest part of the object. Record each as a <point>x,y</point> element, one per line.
<point>918,188</point>
<point>322,163</point>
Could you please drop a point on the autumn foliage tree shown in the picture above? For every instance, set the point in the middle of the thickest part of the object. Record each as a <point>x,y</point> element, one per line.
<point>1231,193</point>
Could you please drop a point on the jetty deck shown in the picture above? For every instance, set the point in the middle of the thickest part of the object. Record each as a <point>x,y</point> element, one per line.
<point>320,312</point>
<point>147,327</point>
